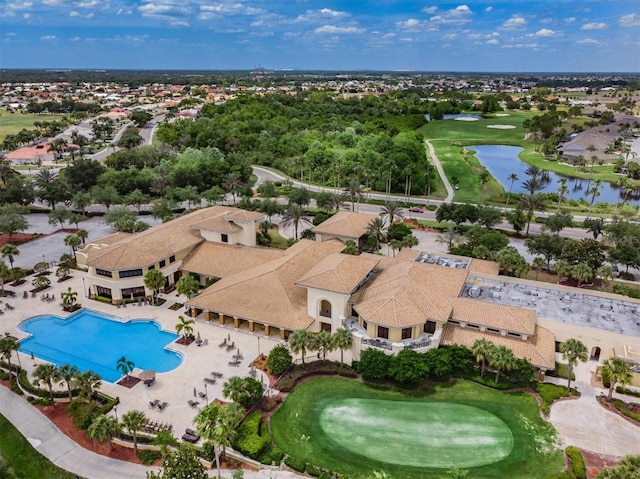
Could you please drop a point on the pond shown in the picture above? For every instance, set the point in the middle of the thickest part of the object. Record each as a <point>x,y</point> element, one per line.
<point>455,116</point>
<point>503,160</point>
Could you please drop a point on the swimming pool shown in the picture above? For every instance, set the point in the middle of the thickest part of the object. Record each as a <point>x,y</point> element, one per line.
<point>91,340</point>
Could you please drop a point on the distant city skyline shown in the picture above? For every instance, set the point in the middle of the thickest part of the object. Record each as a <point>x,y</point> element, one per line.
<point>471,36</point>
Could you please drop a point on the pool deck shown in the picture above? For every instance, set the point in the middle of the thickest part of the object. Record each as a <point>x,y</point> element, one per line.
<point>176,387</point>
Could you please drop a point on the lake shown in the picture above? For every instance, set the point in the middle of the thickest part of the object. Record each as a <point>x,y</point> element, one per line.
<point>453,116</point>
<point>502,160</point>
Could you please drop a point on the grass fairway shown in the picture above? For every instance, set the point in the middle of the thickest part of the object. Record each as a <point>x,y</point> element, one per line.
<point>23,459</point>
<point>12,123</point>
<point>356,429</point>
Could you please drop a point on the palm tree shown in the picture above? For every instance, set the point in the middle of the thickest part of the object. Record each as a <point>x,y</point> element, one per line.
<point>217,424</point>
<point>582,272</point>
<point>530,204</point>
<point>104,428</point>
<point>573,351</point>
<point>10,251</point>
<point>502,359</point>
<point>8,345</point>
<point>67,374</point>
<point>82,234</point>
<point>354,192</point>
<point>231,184</point>
<point>484,179</point>
<point>562,268</point>
<point>342,340</point>
<point>627,468</point>
<point>234,389</point>
<point>392,210</point>
<point>184,326</point>
<point>605,273</point>
<point>594,192</point>
<point>5,275</point>
<point>134,421</point>
<point>294,215</point>
<point>299,342</point>
<point>72,241</point>
<point>324,343</point>
<point>334,202</point>
<point>512,178</point>
<point>154,280</point>
<point>69,299</point>
<point>88,383</point>
<point>46,373</point>
<point>125,367</point>
<point>618,370</point>
<point>376,229</point>
<point>562,190</point>
<point>482,349</point>
<point>538,264</point>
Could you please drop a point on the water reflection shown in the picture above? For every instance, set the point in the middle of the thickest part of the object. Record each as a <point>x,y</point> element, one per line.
<point>502,160</point>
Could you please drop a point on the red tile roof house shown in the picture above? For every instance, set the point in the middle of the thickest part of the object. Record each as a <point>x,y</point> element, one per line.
<point>31,155</point>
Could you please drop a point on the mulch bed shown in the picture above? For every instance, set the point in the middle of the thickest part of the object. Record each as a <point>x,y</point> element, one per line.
<point>185,341</point>
<point>176,306</point>
<point>64,278</point>
<point>128,381</point>
<point>596,462</point>
<point>18,238</point>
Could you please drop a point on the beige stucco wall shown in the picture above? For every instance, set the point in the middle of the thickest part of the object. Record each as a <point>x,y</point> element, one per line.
<point>246,236</point>
<point>338,307</point>
<point>610,343</point>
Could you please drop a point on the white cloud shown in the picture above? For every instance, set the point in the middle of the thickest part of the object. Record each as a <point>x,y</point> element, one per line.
<point>632,20</point>
<point>74,39</point>
<point>48,38</point>
<point>430,10</point>
<point>515,23</point>
<point>333,29</point>
<point>53,3</point>
<point>493,41</point>
<point>73,13</point>
<point>593,26</point>
<point>170,11</point>
<point>569,20</point>
<point>543,32</point>
<point>521,45</point>
<point>412,24</point>
<point>89,3</point>
<point>488,9</point>
<point>588,41</point>
<point>459,15</point>
<point>321,15</point>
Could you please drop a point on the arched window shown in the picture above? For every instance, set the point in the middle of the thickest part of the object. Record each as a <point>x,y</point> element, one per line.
<point>325,308</point>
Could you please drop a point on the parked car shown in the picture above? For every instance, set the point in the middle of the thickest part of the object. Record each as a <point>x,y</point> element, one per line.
<point>415,209</point>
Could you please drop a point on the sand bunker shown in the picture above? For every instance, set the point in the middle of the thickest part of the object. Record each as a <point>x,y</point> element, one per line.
<point>502,114</point>
<point>465,118</point>
<point>501,127</point>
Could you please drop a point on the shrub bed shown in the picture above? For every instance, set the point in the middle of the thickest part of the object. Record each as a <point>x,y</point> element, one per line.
<point>288,381</point>
<point>550,392</point>
<point>577,462</point>
<point>627,391</point>
<point>249,441</point>
<point>622,407</point>
<point>148,457</point>
<point>295,463</point>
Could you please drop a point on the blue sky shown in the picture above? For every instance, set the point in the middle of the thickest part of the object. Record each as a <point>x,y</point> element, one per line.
<point>501,35</point>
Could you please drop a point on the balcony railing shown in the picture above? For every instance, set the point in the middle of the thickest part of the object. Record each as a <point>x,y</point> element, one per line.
<point>377,343</point>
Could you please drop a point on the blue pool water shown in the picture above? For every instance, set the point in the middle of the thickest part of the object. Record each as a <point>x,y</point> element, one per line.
<point>94,341</point>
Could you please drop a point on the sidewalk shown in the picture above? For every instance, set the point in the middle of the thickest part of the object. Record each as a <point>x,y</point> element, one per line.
<point>47,439</point>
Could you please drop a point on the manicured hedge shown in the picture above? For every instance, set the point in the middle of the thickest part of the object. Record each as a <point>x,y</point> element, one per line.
<point>295,463</point>
<point>248,440</point>
<point>577,462</point>
<point>288,381</point>
<point>627,391</point>
<point>549,393</point>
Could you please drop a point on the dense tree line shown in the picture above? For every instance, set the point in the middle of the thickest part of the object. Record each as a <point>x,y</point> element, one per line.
<point>313,136</point>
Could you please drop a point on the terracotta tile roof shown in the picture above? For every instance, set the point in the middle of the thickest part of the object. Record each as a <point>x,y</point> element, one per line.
<point>267,293</point>
<point>222,260</point>
<point>539,350</point>
<point>484,266</point>
<point>517,320</point>
<point>244,215</point>
<point>339,272</point>
<point>346,224</point>
<point>406,293</point>
<point>217,224</point>
<point>150,246</point>
<point>407,254</point>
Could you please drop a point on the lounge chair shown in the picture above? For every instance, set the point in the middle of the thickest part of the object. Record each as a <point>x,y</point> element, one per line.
<point>209,381</point>
<point>193,403</point>
<point>202,395</point>
<point>231,346</point>
<point>154,403</point>
<point>25,294</point>
<point>223,343</point>
<point>163,405</point>
<point>234,363</point>
<point>190,438</point>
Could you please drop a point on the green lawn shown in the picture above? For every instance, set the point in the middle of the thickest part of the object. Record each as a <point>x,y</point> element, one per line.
<point>12,123</point>
<point>355,429</point>
<point>23,459</point>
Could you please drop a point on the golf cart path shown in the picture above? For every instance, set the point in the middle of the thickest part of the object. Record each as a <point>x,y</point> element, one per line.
<point>445,180</point>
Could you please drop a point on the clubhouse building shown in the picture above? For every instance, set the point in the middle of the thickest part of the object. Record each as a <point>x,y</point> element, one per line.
<point>414,300</point>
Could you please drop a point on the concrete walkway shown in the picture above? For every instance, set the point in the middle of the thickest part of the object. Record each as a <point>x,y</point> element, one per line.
<point>586,424</point>
<point>52,443</point>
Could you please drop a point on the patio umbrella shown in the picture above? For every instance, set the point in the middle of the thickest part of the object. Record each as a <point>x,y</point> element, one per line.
<point>229,336</point>
<point>147,375</point>
<point>194,392</point>
<point>198,338</point>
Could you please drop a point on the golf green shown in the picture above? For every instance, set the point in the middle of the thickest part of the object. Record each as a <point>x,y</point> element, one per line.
<point>409,433</point>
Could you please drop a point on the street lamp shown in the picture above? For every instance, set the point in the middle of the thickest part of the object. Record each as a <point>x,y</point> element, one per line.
<point>84,287</point>
<point>259,355</point>
<point>115,411</point>
<point>206,394</point>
